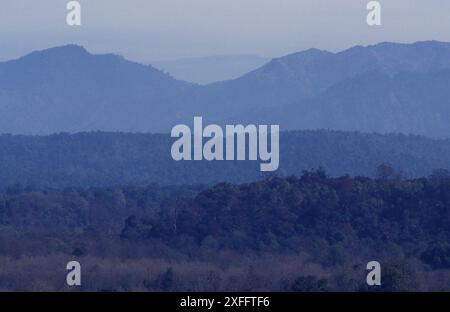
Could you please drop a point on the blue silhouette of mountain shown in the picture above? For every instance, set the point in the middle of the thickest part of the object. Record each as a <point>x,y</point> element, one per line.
<point>69,89</point>
<point>388,87</point>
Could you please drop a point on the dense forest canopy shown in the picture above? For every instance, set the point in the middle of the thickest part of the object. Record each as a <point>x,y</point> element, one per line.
<point>316,233</point>
<point>111,159</point>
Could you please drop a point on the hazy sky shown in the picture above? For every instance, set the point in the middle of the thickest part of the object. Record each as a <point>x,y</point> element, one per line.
<point>146,30</point>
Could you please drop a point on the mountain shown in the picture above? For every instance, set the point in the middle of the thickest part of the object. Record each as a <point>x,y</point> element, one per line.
<point>109,159</point>
<point>306,74</point>
<point>415,102</point>
<point>209,69</point>
<point>69,89</point>
<point>407,102</point>
<point>388,87</point>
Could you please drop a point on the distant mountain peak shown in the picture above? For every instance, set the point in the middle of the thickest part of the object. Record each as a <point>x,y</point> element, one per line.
<point>66,50</point>
<point>70,48</point>
<point>314,51</point>
<point>67,53</point>
<point>306,54</point>
<point>69,89</point>
<point>389,47</point>
<point>417,43</point>
<point>291,62</point>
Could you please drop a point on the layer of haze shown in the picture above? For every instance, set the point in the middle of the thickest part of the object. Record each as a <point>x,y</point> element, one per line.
<point>150,30</point>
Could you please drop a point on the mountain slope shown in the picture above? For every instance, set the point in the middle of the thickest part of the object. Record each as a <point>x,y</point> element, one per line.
<point>385,87</point>
<point>68,89</point>
<point>306,74</point>
<point>413,102</point>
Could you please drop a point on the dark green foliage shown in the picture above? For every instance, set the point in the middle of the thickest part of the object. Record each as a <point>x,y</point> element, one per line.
<point>335,224</point>
<point>278,213</point>
<point>111,159</point>
<point>135,229</point>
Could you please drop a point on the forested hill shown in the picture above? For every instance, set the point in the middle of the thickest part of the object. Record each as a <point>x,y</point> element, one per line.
<point>103,159</point>
<point>310,233</point>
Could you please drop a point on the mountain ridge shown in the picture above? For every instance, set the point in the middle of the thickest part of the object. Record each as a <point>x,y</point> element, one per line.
<point>69,89</point>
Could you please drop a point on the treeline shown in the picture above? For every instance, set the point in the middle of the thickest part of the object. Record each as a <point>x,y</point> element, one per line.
<point>110,159</point>
<point>344,215</point>
<point>311,232</point>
